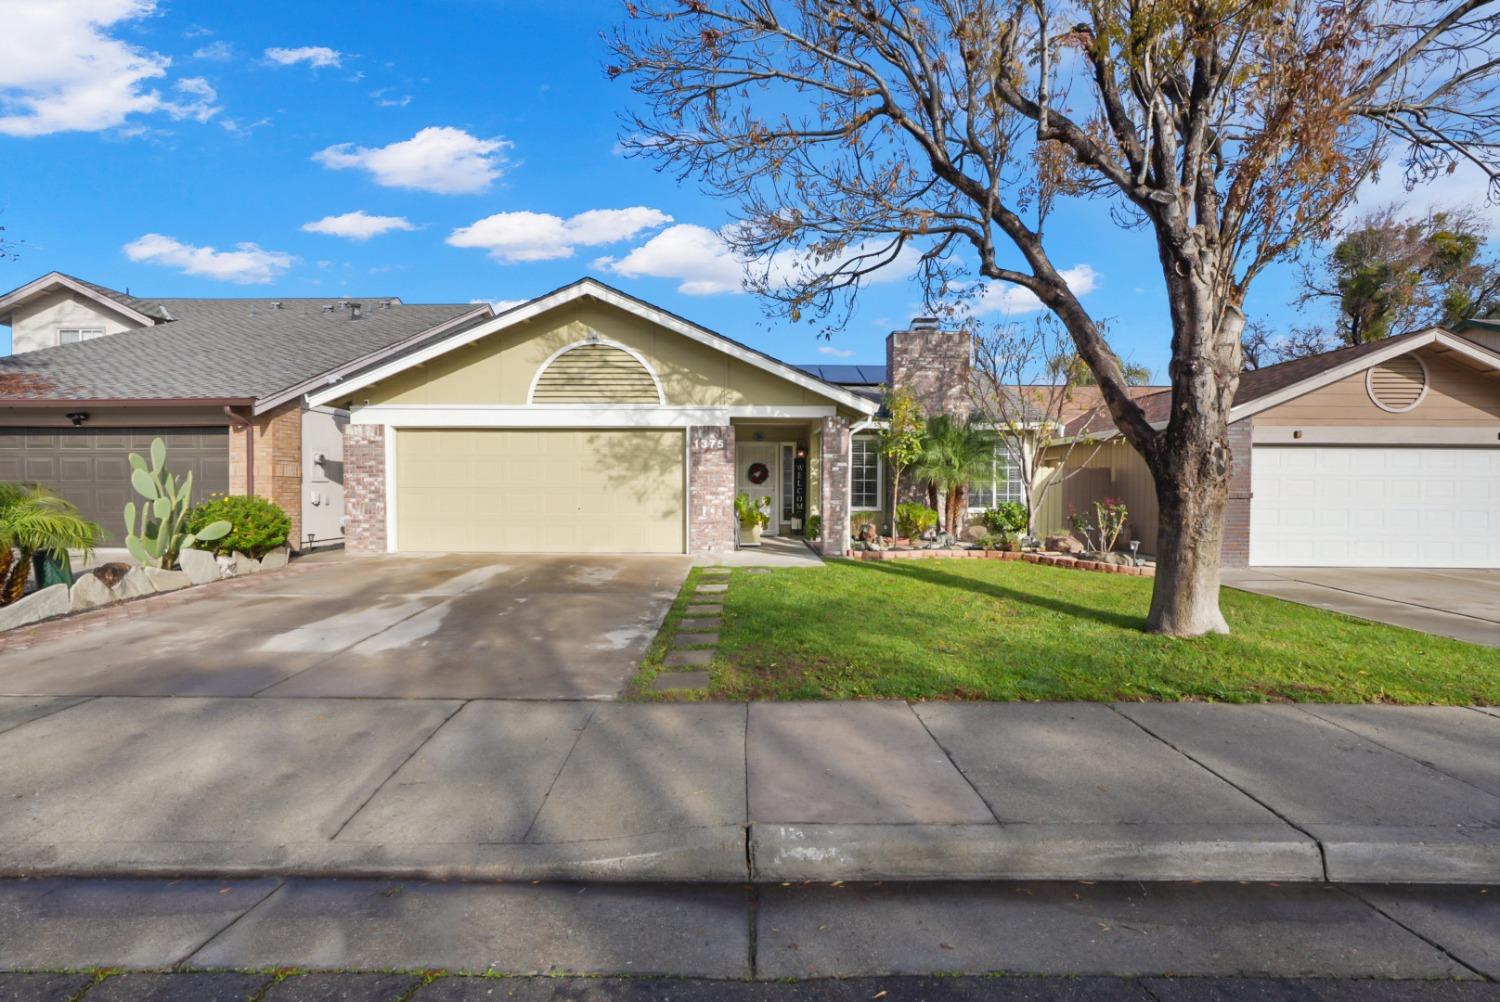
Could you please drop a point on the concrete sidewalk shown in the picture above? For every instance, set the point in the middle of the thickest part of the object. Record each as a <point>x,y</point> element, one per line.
<point>492,789</point>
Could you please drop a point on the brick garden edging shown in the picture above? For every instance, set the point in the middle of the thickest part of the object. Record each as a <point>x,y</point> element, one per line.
<point>1050,559</point>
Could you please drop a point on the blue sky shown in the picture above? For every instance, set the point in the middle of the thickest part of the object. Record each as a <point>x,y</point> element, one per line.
<point>453,150</point>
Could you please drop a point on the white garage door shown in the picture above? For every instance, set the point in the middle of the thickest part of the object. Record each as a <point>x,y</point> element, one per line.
<point>1348,506</point>
<point>542,491</point>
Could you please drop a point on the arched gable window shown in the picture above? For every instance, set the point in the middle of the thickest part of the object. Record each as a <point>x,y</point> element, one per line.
<point>596,372</point>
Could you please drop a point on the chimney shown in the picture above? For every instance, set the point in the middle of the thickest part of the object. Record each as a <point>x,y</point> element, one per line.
<point>933,364</point>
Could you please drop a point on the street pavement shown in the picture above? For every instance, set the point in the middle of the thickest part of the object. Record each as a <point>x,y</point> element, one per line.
<point>715,792</point>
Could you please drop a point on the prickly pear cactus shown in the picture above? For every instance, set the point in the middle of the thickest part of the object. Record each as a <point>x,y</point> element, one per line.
<point>154,533</point>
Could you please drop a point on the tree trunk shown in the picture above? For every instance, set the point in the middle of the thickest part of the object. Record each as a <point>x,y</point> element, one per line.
<point>1192,488</point>
<point>7,558</point>
<point>15,581</point>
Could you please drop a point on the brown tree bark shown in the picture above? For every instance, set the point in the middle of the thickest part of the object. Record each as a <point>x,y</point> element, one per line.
<point>1190,499</point>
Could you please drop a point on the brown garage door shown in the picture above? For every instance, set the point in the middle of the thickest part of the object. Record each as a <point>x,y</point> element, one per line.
<point>88,466</point>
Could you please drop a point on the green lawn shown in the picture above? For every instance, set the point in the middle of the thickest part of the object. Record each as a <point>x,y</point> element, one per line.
<point>1006,630</point>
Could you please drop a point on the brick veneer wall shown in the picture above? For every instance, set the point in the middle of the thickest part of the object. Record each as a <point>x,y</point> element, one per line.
<point>1235,551</point>
<point>364,488</point>
<point>833,486</point>
<point>277,458</point>
<point>711,488</point>
<point>935,367</point>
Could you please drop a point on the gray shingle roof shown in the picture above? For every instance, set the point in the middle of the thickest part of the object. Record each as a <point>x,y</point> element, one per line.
<point>218,349</point>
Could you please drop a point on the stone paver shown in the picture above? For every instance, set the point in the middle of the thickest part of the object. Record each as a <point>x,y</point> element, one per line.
<point>700,623</point>
<point>718,572</point>
<point>1451,739</point>
<point>330,925</point>
<point>1462,919</point>
<point>680,680</point>
<point>354,987</point>
<point>692,639</point>
<point>198,986</point>
<point>705,610</point>
<point>852,763</point>
<point>116,923</point>
<point>711,589</point>
<point>676,659</point>
<point>481,778</point>
<point>642,768</point>
<point>132,770</point>
<point>821,931</point>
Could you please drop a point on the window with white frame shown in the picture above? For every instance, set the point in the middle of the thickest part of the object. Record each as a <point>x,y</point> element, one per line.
<point>864,474</point>
<point>70,335</point>
<point>1004,483</point>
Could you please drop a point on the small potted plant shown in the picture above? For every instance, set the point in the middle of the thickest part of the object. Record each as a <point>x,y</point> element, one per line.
<point>753,518</point>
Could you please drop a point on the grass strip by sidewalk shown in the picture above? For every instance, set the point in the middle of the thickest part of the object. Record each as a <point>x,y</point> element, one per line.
<point>1007,630</point>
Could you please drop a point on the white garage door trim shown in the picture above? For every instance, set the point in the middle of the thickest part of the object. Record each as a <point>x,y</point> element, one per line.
<point>1374,506</point>
<point>392,486</point>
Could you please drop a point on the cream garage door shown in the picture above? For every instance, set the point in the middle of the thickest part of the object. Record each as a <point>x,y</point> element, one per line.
<point>539,491</point>
<point>1348,506</point>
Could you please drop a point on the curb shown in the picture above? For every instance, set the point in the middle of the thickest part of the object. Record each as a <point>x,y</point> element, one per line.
<point>821,853</point>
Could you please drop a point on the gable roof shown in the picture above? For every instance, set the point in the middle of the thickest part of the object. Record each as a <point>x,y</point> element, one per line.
<point>224,349</point>
<point>141,311</point>
<point>590,288</point>
<point>1264,388</point>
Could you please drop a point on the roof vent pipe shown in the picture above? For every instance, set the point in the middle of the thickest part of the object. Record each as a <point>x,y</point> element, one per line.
<point>354,309</point>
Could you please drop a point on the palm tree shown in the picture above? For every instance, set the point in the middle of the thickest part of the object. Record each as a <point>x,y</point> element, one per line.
<point>33,519</point>
<point>954,454</point>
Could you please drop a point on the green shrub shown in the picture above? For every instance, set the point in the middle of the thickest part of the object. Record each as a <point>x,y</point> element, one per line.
<point>813,527</point>
<point>257,525</point>
<point>914,519</point>
<point>1007,519</point>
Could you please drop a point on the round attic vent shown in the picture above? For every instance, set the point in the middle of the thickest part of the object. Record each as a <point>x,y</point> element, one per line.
<point>1397,385</point>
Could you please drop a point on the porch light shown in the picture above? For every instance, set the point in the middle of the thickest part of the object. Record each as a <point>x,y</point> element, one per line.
<point>801,453</point>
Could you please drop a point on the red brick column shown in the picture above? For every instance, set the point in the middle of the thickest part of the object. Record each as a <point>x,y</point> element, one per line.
<point>277,465</point>
<point>710,489</point>
<point>1235,550</point>
<point>833,487</point>
<point>364,488</point>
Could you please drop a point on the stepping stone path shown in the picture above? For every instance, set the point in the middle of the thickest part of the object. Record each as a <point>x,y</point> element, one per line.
<point>698,633</point>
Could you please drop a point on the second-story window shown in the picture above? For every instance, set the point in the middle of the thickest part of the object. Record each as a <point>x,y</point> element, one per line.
<point>69,335</point>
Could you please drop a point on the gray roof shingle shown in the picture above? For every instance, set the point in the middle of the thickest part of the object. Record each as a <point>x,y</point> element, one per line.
<point>218,349</point>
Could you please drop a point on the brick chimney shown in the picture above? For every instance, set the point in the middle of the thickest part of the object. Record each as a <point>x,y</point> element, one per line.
<point>933,364</point>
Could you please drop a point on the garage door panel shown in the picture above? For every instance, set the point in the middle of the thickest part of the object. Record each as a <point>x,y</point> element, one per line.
<point>539,491</point>
<point>1375,507</point>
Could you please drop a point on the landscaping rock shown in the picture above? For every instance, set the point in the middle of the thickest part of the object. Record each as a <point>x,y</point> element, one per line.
<point>200,566</point>
<point>973,533</point>
<point>868,533</point>
<point>276,559</point>
<point>228,566</point>
<point>134,585</point>
<point>112,574</point>
<point>89,592</point>
<point>163,580</point>
<point>1064,543</point>
<point>245,564</point>
<point>44,604</point>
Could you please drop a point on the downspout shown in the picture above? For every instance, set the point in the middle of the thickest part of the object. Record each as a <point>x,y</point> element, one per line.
<point>238,422</point>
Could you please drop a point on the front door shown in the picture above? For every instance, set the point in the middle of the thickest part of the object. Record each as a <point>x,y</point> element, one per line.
<point>757,477</point>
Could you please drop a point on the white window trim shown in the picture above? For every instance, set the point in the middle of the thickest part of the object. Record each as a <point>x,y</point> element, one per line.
<point>84,334</point>
<point>879,473</point>
<point>995,484</point>
<point>661,396</point>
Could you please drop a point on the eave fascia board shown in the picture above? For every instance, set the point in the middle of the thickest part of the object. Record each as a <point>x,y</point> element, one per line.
<point>589,287</point>
<point>307,386</point>
<point>12,299</point>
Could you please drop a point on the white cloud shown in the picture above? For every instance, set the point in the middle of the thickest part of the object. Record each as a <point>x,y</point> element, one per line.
<point>540,236</point>
<point>215,51</point>
<point>833,352</point>
<point>357,225</point>
<point>703,264</point>
<point>439,159</point>
<point>1011,300</point>
<point>1466,187</point>
<point>247,264</point>
<point>501,305</point>
<point>383,98</point>
<point>316,56</point>
<point>61,71</point>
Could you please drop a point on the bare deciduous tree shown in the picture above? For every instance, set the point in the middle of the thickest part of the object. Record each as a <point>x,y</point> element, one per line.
<point>1026,389</point>
<point>852,133</point>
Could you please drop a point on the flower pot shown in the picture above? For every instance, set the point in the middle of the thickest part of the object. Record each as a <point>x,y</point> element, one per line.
<point>750,534</point>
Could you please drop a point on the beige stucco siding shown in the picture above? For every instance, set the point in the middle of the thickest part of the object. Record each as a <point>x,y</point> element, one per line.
<point>35,324</point>
<point>1115,470</point>
<point>1456,396</point>
<point>499,369</point>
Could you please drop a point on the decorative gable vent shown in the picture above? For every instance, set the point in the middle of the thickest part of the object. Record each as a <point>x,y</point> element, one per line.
<point>595,372</point>
<point>1397,385</point>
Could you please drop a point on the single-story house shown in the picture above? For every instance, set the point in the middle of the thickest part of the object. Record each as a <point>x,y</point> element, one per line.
<point>97,373</point>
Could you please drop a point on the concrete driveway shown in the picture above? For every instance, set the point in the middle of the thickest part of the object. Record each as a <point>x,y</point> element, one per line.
<point>1464,604</point>
<point>423,627</point>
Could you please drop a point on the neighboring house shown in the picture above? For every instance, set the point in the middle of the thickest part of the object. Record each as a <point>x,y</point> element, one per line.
<point>98,373</point>
<point>1386,454</point>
